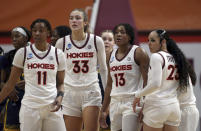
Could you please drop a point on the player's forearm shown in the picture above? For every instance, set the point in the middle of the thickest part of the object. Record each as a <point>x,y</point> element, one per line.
<point>144,72</point>
<point>154,83</point>
<point>60,81</point>
<point>107,97</point>
<point>102,62</point>
<point>106,101</point>
<point>60,87</point>
<point>147,90</point>
<point>103,73</point>
<point>1,85</point>
<point>7,89</point>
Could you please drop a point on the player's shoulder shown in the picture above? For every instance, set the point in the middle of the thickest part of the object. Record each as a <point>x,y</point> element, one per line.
<point>157,57</point>
<point>99,40</point>
<point>55,49</point>
<point>59,51</point>
<point>95,36</point>
<point>60,41</point>
<point>21,50</point>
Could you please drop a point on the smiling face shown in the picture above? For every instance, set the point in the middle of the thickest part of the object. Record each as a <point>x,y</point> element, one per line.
<point>121,37</point>
<point>18,39</point>
<point>40,32</point>
<point>108,39</point>
<point>154,42</point>
<point>77,21</point>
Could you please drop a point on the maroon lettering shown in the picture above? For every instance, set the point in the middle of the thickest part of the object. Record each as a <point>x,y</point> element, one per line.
<point>121,68</point>
<point>40,66</point>
<point>80,55</point>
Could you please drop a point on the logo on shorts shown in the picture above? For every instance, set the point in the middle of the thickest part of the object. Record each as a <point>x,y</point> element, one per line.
<point>30,55</point>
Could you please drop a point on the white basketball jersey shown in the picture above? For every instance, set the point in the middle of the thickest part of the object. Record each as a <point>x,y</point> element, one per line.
<point>187,98</point>
<point>125,73</point>
<point>167,92</point>
<point>81,62</point>
<point>40,76</point>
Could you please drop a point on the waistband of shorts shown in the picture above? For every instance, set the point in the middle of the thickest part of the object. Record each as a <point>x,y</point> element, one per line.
<point>122,98</point>
<point>79,88</point>
<point>187,106</point>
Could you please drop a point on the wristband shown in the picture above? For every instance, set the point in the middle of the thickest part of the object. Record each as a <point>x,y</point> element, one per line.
<point>60,93</point>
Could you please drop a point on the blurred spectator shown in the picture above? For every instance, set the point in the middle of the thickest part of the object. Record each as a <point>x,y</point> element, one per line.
<point>59,32</point>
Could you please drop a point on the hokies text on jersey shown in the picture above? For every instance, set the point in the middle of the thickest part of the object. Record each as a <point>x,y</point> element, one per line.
<point>80,55</point>
<point>121,68</point>
<point>40,66</point>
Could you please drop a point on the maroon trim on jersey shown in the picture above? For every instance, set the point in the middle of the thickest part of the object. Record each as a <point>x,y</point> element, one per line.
<point>64,43</point>
<point>95,43</point>
<point>163,60</point>
<point>124,55</point>
<point>88,35</point>
<point>25,52</point>
<point>135,56</point>
<point>56,56</point>
<point>39,56</point>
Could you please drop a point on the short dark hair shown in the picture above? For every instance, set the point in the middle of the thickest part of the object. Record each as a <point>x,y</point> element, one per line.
<point>129,31</point>
<point>40,20</point>
<point>63,30</point>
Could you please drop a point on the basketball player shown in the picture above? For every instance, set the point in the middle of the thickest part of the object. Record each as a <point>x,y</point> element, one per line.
<point>84,51</point>
<point>108,39</point>
<point>44,69</point>
<point>20,36</point>
<point>187,100</point>
<point>168,73</point>
<point>128,65</point>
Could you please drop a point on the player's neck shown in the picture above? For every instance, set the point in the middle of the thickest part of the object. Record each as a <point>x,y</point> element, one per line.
<point>78,35</point>
<point>42,46</point>
<point>164,49</point>
<point>108,51</point>
<point>124,49</point>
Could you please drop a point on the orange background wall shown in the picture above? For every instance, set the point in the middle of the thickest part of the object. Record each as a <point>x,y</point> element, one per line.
<point>149,14</point>
<point>167,14</point>
<point>23,12</point>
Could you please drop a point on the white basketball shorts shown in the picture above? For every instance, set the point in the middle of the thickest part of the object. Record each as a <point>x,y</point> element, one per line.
<point>40,119</point>
<point>157,116</point>
<point>76,99</point>
<point>189,118</point>
<point>122,115</point>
